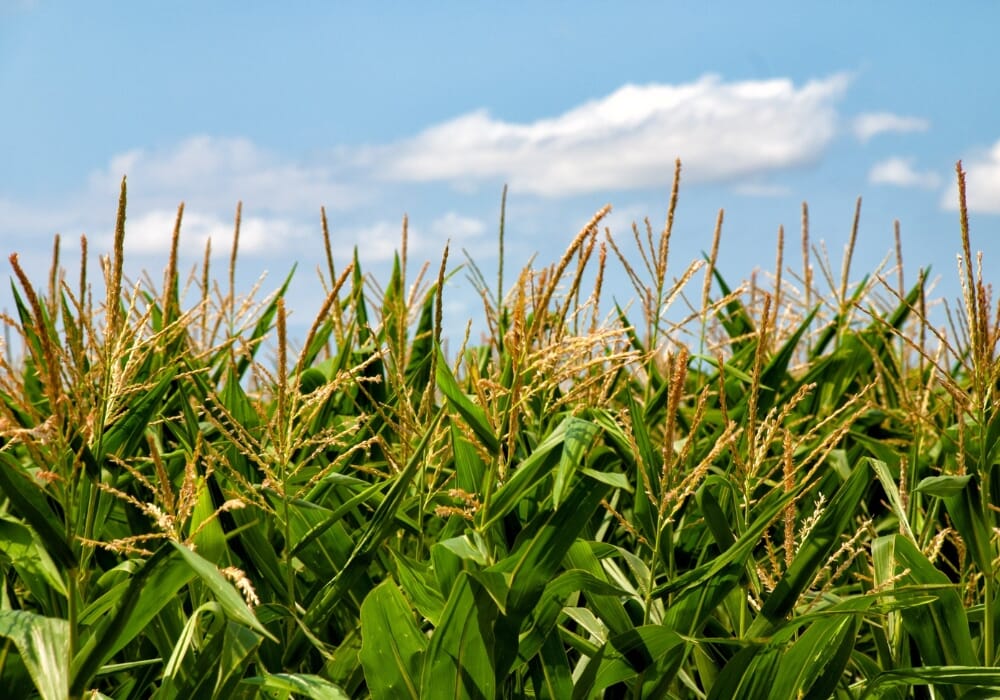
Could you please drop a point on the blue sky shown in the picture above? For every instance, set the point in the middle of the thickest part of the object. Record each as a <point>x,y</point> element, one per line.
<point>376,110</point>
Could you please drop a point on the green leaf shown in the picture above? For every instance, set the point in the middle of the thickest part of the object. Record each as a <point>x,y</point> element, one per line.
<point>392,647</point>
<point>552,451</point>
<point>631,653</point>
<point>812,554</point>
<point>459,662</point>
<point>304,684</point>
<point>943,486</point>
<point>28,499</point>
<point>418,363</point>
<point>473,415</point>
<point>43,645</point>
<point>553,668</point>
<point>223,591</point>
<point>175,672</point>
<point>980,678</point>
<point>966,512</point>
<point>124,436</point>
<point>940,629</point>
<point>579,435</point>
<point>819,653</point>
<point>892,491</point>
<point>540,548</point>
<point>125,610</point>
<point>30,559</point>
<point>370,539</point>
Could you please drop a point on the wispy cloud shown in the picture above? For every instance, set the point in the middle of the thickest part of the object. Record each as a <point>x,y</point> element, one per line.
<point>379,241</point>
<point>982,183</point>
<point>901,173</point>
<point>762,189</point>
<point>282,196</point>
<point>872,124</point>
<point>628,139</point>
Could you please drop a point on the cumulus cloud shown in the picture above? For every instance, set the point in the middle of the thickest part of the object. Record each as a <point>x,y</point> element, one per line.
<point>281,195</point>
<point>872,124</point>
<point>901,173</point>
<point>151,232</point>
<point>982,183</point>
<point>217,172</point>
<point>628,139</point>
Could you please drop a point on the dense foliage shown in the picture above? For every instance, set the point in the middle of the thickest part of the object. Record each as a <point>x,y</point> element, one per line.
<point>767,491</point>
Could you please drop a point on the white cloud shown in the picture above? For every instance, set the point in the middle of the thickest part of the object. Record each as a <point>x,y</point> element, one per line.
<point>872,124</point>
<point>457,226</point>
<point>25,220</point>
<point>151,231</point>
<point>216,173</point>
<point>761,189</point>
<point>379,241</point>
<point>628,139</point>
<point>901,173</point>
<point>282,197</point>
<point>982,183</point>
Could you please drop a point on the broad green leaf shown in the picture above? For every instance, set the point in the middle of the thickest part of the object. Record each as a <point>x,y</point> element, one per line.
<point>392,647</point>
<point>538,553</point>
<point>609,608</point>
<point>209,538</point>
<point>749,674</point>
<point>943,486</point>
<point>30,559</point>
<point>536,467</point>
<point>552,669</point>
<point>304,684</point>
<point>28,499</point>
<point>542,545</point>
<point>978,678</point>
<point>631,653</point>
<point>416,581</point>
<point>460,659</point>
<point>43,645</point>
<point>816,655</point>
<point>940,629</point>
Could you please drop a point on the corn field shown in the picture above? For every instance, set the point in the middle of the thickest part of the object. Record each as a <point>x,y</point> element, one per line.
<point>784,488</point>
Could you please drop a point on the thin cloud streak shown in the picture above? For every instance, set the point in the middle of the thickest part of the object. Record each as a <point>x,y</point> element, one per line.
<point>867,126</point>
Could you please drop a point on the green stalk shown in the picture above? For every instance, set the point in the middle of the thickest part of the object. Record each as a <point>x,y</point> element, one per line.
<point>72,616</point>
<point>648,602</point>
